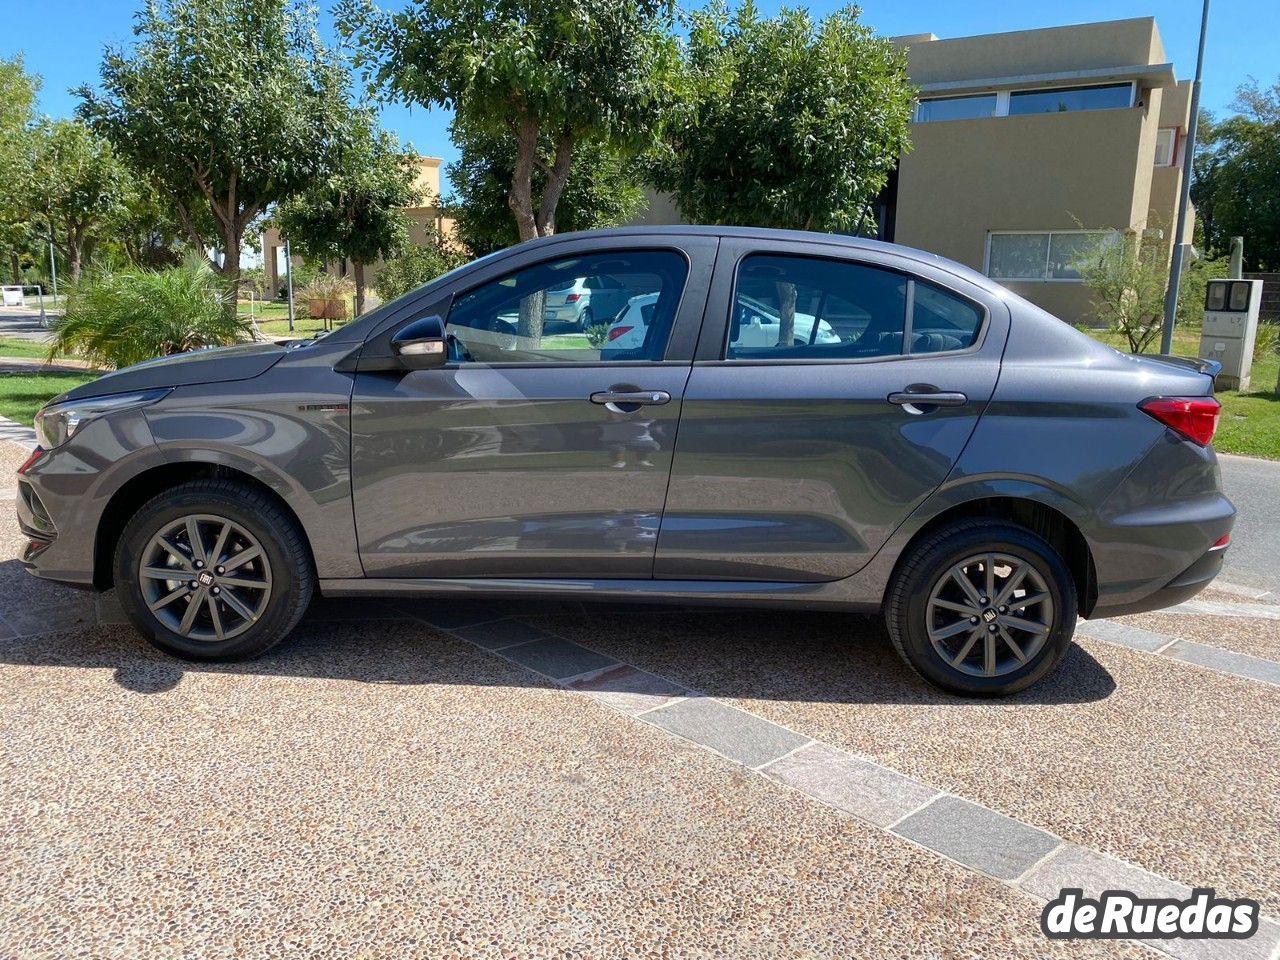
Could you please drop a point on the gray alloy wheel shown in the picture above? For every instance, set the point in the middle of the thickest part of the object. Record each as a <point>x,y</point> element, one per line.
<point>989,615</point>
<point>205,577</point>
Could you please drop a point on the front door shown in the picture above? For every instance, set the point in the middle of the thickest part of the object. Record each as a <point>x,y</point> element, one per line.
<point>540,449</point>
<point>832,392</point>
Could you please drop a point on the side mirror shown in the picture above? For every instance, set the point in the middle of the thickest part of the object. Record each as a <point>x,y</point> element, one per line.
<point>421,345</point>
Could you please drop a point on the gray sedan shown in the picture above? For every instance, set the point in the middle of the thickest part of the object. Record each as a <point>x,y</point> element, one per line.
<point>946,453</point>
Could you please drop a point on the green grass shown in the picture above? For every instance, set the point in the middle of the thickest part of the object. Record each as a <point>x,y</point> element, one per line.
<point>22,394</point>
<point>1250,422</point>
<point>22,348</point>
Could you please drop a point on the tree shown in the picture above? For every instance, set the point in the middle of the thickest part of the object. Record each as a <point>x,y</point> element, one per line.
<point>415,265</point>
<point>603,190</point>
<point>17,117</point>
<point>356,212</point>
<point>787,123</point>
<point>226,106</point>
<point>542,78</point>
<point>79,186</point>
<point>1236,176</point>
<point>1127,276</point>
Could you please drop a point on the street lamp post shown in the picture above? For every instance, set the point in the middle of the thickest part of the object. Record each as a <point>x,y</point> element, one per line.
<point>1184,197</point>
<point>288,272</point>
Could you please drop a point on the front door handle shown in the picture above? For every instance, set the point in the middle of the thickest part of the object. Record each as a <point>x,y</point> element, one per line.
<point>928,398</point>
<point>633,397</point>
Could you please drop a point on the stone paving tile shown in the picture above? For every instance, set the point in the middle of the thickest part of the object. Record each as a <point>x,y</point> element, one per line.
<point>1226,661</point>
<point>629,690</point>
<point>977,837</point>
<point>1093,872</point>
<point>1263,611</point>
<point>450,614</point>
<point>1258,638</point>
<point>856,786</point>
<point>738,735</point>
<point>500,633</point>
<point>353,609</point>
<point>557,658</point>
<point>1123,634</point>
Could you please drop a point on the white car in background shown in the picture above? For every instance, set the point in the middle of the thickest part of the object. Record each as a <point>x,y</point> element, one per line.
<point>585,301</point>
<point>756,326</point>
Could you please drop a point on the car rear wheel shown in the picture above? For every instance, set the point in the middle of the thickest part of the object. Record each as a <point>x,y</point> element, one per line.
<point>982,609</point>
<point>213,570</point>
<point>586,320</point>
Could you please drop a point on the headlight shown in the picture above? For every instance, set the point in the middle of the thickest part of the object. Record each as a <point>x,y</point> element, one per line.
<point>58,421</point>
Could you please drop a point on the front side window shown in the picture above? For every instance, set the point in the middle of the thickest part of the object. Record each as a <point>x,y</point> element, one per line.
<point>1050,255</point>
<point>804,308</point>
<point>1070,99</point>
<point>585,309</point>
<point>956,108</point>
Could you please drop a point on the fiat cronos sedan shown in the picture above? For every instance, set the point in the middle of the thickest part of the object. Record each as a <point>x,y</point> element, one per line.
<point>950,455</point>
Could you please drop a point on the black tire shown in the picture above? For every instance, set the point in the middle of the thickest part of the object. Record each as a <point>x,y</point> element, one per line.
<point>909,611</point>
<point>285,558</point>
<point>585,320</point>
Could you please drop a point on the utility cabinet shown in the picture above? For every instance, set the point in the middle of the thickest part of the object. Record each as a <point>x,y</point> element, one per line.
<point>1230,327</point>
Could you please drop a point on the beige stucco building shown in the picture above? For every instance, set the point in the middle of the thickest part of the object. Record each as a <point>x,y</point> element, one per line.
<point>426,218</point>
<point>1026,145</point>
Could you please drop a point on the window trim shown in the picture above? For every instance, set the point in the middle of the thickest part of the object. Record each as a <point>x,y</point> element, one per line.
<point>986,254</point>
<point>984,316</point>
<point>1173,149</point>
<point>598,362</point>
<point>1004,97</point>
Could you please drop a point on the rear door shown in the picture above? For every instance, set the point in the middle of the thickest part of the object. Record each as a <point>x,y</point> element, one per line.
<point>533,452</point>
<point>800,453</point>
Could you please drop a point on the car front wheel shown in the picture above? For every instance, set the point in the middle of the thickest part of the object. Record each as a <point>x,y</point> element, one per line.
<point>982,609</point>
<point>213,570</point>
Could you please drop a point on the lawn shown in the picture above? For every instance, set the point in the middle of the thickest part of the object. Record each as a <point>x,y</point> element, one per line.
<point>22,348</point>
<point>1250,422</point>
<point>22,394</point>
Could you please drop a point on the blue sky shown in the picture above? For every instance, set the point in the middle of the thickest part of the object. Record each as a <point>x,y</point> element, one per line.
<point>62,40</point>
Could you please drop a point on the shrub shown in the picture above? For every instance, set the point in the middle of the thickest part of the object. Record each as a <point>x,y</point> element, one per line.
<point>597,335</point>
<point>118,318</point>
<point>415,265</point>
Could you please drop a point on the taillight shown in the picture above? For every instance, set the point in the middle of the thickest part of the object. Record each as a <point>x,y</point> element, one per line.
<point>1196,418</point>
<point>616,332</point>
<point>1222,542</point>
<point>36,454</point>
<point>572,298</point>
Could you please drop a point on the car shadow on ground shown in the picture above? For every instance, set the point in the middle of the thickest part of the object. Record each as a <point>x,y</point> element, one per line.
<point>783,655</point>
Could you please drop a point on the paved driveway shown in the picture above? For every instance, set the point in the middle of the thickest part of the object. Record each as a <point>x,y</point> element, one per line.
<point>1254,486</point>
<point>516,780</point>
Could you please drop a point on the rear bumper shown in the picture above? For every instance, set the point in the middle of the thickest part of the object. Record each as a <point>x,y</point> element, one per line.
<point>1181,588</point>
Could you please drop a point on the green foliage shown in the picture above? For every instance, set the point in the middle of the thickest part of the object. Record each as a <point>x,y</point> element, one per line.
<point>415,265</point>
<point>1195,278</point>
<point>326,287</point>
<point>597,334</point>
<point>603,190</point>
<point>1236,177</point>
<point>17,118</point>
<point>355,212</point>
<point>545,77</point>
<point>22,394</point>
<point>115,319</point>
<point>1266,342</point>
<point>788,122</point>
<point>78,188</point>
<point>1128,278</point>
<point>226,106</point>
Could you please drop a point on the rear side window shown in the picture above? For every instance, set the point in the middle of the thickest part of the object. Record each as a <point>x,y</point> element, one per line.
<point>571,310</point>
<point>941,321</point>
<point>805,308</point>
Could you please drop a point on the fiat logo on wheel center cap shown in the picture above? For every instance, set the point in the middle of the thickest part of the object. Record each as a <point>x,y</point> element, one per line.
<point>205,578</point>
<point>989,615</point>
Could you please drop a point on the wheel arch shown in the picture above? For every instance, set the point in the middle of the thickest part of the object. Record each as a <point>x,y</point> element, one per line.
<point>1049,523</point>
<point>126,501</point>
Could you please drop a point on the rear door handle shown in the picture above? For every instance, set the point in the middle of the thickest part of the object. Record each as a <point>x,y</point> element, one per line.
<point>937,398</point>
<point>638,397</point>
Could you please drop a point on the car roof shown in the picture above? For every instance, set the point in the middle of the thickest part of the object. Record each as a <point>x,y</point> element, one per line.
<point>773,233</point>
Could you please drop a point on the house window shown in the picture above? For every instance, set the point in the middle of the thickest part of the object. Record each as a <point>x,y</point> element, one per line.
<point>1047,255</point>
<point>1070,99</point>
<point>1166,147</point>
<point>956,108</point>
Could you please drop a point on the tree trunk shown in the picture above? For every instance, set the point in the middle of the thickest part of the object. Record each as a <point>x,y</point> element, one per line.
<point>75,253</point>
<point>357,268</point>
<point>557,177</point>
<point>230,269</point>
<point>521,197</point>
<point>787,313</point>
<point>16,266</point>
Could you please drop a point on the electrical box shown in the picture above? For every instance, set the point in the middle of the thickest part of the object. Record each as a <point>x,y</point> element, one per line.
<point>1230,327</point>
